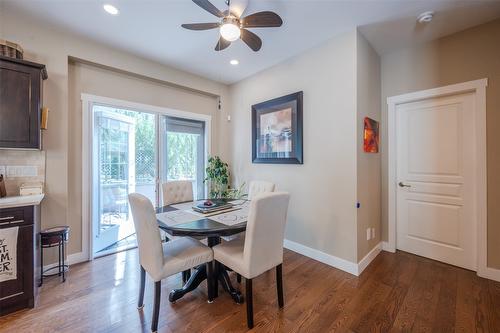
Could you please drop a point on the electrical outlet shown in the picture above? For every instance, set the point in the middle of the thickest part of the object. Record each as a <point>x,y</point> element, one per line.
<point>373,233</point>
<point>368,234</point>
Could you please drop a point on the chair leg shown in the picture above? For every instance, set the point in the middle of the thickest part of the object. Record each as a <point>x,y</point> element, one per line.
<point>238,277</point>
<point>140,303</point>
<point>279,284</point>
<point>210,281</point>
<point>41,266</point>
<point>216,279</point>
<point>156,310</point>
<point>63,256</point>
<point>249,300</point>
<point>59,252</point>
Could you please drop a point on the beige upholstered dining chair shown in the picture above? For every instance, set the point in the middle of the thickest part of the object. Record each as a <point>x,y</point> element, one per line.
<point>262,248</point>
<point>177,191</point>
<point>254,188</point>
<point>259,186</point>
<point>163,260</point>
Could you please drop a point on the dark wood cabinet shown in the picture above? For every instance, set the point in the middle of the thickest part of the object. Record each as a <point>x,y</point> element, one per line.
<point>20,293</point>
<point>20,103</point>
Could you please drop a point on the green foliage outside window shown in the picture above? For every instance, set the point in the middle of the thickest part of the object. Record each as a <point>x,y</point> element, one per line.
<point>182,151</point>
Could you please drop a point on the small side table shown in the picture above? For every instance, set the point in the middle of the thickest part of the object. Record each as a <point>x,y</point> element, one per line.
<point>56,236</point>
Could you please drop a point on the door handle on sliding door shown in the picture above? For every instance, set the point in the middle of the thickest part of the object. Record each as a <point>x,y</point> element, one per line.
<point>401,184</point>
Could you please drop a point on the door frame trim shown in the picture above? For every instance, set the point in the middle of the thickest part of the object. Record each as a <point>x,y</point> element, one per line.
<point>87,126</point>
<point>478,88</point>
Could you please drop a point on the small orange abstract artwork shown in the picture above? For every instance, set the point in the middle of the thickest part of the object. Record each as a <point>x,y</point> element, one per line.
<point>370,136</point>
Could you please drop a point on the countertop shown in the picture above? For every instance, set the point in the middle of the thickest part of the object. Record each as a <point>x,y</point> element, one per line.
<point>19,201</point>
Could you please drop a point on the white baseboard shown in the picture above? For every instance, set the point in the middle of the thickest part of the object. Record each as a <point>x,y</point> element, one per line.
<point>72,259</point>
<point>342,264</point>
<point>489,273</point>
<point>369,258</point>
<point>387,247</point>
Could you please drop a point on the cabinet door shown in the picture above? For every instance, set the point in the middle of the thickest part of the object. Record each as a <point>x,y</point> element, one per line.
<point>18,293</point>
<point>20,104</point>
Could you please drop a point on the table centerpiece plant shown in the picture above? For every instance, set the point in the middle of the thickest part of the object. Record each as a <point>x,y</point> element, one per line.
<point>217,177</point>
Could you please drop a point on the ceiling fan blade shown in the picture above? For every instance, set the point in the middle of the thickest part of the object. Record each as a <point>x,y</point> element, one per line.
<point>222,44</point>
<point>207,5</point>
<point>200,26</point>
<point>262,20</point>
<point>237,7</point>
<point>251,39</point>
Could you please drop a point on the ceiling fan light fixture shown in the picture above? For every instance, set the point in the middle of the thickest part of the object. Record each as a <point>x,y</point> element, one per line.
<point>230,29</point>
<point>110,9</point>
<point>425,17</point>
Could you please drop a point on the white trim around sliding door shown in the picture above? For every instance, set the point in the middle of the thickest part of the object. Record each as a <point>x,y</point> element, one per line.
<point>478,88</point>
<point>88,101</point>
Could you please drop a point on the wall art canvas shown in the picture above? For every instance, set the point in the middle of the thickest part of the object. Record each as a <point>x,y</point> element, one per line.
<point>277,130</point>
<point>371,136</point>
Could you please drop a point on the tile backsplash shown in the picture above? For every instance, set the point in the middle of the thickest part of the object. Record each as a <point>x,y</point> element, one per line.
<point>21,166</point>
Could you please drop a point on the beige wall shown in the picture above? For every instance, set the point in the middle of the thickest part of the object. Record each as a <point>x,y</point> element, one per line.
<point>322,212</point>
<point>52,46</point>
<point>468,55</point>
<point>368,164</point>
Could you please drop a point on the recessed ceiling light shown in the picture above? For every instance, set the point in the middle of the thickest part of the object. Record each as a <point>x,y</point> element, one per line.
<point>425,17</point>
<point>234,62</point>
<point>110,9</point>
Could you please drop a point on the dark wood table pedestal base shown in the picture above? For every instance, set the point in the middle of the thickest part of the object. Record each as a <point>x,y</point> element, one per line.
<point>223,278</point>
<point>200,274</point>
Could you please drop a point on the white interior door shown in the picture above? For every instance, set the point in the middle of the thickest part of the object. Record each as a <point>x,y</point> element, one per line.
<point>435,170</point>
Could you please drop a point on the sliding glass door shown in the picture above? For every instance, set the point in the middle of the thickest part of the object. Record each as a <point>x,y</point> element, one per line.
<point>124,160</point>
<point>184,146</point>
<point>136,152</point>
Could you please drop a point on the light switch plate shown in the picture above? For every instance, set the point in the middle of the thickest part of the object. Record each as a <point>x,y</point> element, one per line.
<point>373,232</point>
<point>368,234</point>
<point>29,171</point>
<point>21,171</point>
<point>11,171</point>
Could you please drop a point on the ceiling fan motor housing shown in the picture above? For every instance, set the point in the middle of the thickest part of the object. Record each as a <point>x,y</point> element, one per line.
<point>231,20</point>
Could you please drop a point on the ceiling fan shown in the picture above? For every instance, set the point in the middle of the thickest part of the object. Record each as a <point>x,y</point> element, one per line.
<point>232,26</point>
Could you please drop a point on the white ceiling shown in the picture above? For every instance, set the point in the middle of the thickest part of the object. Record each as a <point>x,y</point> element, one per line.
<point>151,28</point>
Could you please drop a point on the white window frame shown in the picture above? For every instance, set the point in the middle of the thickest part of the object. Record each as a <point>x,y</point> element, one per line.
<point>88,100</point>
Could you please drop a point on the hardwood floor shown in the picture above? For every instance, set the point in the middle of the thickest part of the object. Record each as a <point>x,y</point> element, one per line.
<point>397,293</point>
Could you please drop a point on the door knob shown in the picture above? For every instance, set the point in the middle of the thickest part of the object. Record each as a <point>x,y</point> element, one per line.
<point>401,184</point>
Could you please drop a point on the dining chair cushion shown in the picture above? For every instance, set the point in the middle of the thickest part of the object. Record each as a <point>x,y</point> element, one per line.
<point>161,261</point>
<point>177,191</point>
<point>259,186</point>
<point>262,247</point>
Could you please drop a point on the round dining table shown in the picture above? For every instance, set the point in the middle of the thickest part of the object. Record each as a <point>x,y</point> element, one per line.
<point>213,231</point>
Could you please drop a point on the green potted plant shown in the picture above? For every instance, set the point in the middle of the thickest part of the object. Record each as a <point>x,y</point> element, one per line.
<point>218,180</point>
<point>217,177</point>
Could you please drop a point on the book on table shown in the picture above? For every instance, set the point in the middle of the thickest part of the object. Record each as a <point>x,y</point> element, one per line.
<point>212,205</point>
